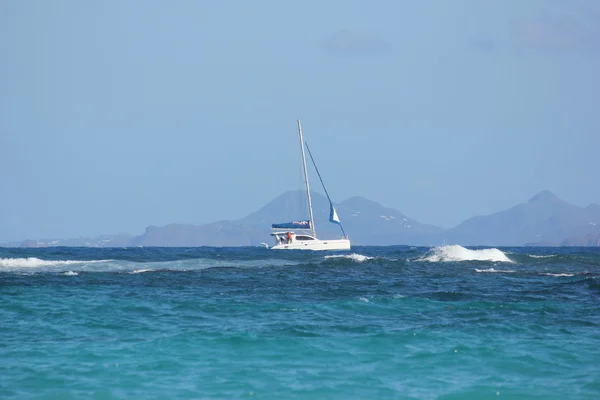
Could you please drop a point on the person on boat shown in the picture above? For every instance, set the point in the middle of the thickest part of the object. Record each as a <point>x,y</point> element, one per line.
<point>289,237</point>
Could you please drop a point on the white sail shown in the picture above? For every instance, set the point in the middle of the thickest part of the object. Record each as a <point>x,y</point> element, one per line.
<point>333,216</point>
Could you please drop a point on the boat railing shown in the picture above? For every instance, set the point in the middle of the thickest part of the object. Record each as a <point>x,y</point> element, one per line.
<point>275,232</point>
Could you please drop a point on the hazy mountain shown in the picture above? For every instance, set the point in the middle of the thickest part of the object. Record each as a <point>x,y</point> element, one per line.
<point>222,233</point>
<point>543,219</point>
<point>589,239</point>
<point>369,222</point>
<point>365,221</point>
<point>98,241</point>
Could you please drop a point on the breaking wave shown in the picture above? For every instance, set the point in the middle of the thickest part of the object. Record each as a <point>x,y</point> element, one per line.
<point>354,257</point>
<point>34,262</point>
<point>141,271</point>
<point>492,270</point>
<point>36,265</point>
<point>458,253</point>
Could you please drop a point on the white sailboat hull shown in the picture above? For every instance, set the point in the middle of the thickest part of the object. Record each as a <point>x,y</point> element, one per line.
<point>336,244</point>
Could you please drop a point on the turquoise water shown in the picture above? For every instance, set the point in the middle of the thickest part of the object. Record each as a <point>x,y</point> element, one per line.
<point>375,323</point>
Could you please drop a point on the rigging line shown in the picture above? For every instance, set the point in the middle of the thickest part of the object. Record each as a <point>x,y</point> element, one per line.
<point>317,169</point>
<point>322,183</point>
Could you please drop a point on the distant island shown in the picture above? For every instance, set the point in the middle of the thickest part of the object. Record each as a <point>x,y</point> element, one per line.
<point>545,220</point>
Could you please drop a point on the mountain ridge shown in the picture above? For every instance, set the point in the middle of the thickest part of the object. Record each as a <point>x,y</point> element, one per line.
<point>543,219</point>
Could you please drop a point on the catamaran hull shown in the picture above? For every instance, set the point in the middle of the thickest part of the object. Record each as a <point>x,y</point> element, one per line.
<point>337,244</point>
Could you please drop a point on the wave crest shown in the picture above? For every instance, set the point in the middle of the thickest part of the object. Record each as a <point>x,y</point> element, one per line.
<point>456,252</point>
<point>492,270</point>
<point>36,265</point>
<point>354,257</point>
<point>34,262</point>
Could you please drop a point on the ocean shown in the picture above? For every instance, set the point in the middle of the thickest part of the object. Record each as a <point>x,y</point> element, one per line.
<point>251,323</point>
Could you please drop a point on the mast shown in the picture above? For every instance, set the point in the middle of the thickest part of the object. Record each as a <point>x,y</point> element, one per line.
<point>310,210</point>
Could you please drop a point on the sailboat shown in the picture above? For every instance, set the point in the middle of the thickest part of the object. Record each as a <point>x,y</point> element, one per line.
<point>301,235</point>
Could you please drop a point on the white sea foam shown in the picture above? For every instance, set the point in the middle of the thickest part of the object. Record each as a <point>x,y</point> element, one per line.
<point>35,265</point>
<point>70,273</point>
<point>559,274</point>
<point>354,256</point>
<point>541,256</point>
<point>459,253</point>
<point>139,271</point>
<point>492,270</point>
<point>130,267</point>
<point>34,262</point>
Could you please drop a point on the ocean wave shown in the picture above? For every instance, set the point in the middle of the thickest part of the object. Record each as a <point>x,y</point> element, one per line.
<point>354,257</point>
<point>508,271</point>
<point>36,265</point>
<point>492,270</point>
<point>34,262</point>
<point>456,252</point>
<point>542,256</point>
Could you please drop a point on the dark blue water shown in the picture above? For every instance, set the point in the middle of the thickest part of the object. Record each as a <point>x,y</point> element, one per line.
<point>380,322</point>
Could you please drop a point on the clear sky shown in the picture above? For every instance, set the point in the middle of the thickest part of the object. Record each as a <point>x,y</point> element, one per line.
<point>115,115</point>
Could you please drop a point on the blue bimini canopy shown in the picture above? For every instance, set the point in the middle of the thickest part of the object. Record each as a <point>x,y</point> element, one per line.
<point>292,225</point>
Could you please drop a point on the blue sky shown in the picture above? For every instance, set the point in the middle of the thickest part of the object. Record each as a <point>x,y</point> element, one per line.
<point>115,115</point>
